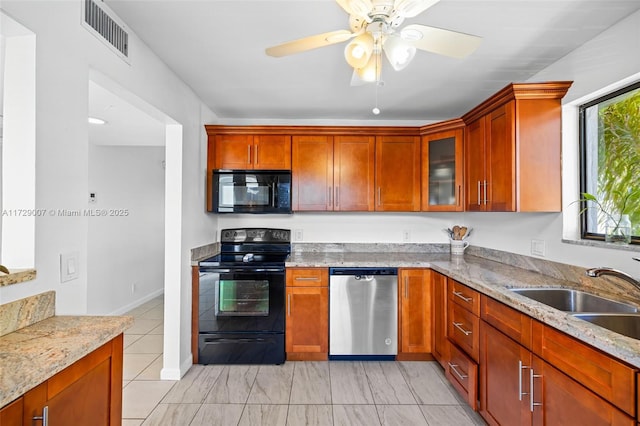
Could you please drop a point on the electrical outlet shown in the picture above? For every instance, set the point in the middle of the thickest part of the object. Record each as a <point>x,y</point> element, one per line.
<point>406,236</point>
<point>537,247</point>
<point>133,288</point>
<point>297,235</point>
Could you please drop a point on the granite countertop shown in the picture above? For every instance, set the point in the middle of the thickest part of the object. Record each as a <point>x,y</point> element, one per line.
<point>33,354</point>
<point>493,279</point>
<point>17,276</point>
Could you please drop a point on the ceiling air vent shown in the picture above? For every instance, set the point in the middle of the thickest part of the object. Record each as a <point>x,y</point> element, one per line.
<point>102,24</point>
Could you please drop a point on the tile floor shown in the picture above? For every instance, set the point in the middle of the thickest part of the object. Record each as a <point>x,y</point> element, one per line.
<point>295,393</point>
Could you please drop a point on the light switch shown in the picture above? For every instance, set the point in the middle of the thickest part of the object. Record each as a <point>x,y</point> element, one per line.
<point>537,248</point>
<point>68,266</point>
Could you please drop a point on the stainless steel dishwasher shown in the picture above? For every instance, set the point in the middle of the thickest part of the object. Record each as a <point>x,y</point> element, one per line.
<point>363,313</point>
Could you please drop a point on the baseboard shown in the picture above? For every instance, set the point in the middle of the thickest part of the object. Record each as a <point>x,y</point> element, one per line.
<point>174,373</point>
<point>135,304</point>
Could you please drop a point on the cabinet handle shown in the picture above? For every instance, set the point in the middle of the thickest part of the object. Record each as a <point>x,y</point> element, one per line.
<point>478,192</point>
<point>337,197</point>
<point>329,192</point>
<point>531,377</point>
<point>256,154</point>
<point>406,287</point>
<point>459,200</point>
<point>307,279</point>
<point>44,417</point>
<point>520,368</point>
<point>288,305</point>
<point>486,201</point>
<point>248,154</point>
<point>379,196</point>
<point>458,326</point>
<point>461,296</point>
<point>454,368</point>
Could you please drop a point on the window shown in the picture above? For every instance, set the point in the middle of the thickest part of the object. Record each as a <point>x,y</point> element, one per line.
<point>610,163</point>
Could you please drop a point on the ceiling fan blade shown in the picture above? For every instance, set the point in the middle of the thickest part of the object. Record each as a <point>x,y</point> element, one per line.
<point>308,43</point>
<point>411,8</point>
<point>442,42</point>
<point>356,7</point>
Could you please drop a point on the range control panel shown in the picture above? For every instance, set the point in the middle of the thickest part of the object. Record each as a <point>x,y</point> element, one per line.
<point>255,235</point>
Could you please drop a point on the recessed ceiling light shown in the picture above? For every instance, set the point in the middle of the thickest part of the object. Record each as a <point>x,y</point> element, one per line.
<point>94,120</point>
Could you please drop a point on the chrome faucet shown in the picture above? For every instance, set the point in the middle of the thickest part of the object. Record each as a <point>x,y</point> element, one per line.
<point>596,272</point>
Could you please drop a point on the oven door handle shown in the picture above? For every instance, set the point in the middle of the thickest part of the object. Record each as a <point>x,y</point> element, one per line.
<point>267,270</point>
<point>240,270</point>
<point>234,340</point>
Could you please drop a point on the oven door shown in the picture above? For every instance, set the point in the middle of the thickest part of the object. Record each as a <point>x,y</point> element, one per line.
<point>241,300</point>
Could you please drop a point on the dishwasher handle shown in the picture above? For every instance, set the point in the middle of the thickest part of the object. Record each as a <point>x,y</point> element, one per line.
<point>363,271</point>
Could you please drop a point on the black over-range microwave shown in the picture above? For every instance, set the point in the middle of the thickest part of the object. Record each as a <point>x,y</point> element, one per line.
<point>251,191</point>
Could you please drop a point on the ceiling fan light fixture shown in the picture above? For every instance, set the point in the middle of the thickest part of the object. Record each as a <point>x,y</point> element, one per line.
<point>371,71</point>
<point>358,52</point>
<point>398,52</point>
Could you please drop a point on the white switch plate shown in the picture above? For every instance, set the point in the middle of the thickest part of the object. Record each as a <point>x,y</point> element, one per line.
<point>297,235</point>
<point>69,266</point>
<point>537,247</point>
<point>406,236</point>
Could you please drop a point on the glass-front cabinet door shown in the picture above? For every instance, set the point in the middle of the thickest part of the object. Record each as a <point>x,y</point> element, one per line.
<point>442,171</point>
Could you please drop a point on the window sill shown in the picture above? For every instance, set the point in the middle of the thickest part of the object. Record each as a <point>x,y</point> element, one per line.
<point>602,244</point>
<point>18,276</point>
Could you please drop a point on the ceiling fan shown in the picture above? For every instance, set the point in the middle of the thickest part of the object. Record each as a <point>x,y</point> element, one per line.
<point>375,29</point>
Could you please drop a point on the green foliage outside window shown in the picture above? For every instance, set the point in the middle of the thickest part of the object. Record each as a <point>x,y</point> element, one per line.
<point>617,189</point>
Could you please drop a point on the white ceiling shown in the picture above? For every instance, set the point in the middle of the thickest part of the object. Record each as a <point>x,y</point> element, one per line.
<point>217,48</point>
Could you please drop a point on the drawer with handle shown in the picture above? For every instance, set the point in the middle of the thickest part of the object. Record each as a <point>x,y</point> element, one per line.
<point>464,296</point>
<point>463,329</point>
<point>462,373</point>
<point>307,277</point>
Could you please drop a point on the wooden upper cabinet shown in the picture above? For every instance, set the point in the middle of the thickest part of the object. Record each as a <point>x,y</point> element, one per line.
<point>513,149</point>
<point>245,151</point>
<point>333,173</point>
<point>475,165</point>
<point>397,173</point>
<point>353,173</point>
<point>442,168</point>
<point>272,152</point>
<point>312,173</point>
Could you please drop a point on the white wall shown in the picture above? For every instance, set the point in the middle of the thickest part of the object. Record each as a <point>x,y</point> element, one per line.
<point>65,55</point>
<point>125,251</point>
<point>607,59</point>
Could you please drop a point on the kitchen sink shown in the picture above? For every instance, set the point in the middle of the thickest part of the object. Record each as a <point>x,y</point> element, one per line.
<point>625,324</point>
<point>568,300</point>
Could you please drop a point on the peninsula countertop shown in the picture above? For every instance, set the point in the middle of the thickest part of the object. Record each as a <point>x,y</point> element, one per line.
<point>493,279</point>
<point>33,354</point>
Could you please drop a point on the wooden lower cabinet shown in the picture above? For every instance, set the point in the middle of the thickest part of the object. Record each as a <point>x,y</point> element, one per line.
<point>11,414</point>
<point>462,372</point>
<point>414,314</point>
<point>504,379</point>
<point>307,310</point>
<point>533,374</point>
<point>560,400</point>
<point>88,392</point>
<point>440,349</point>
